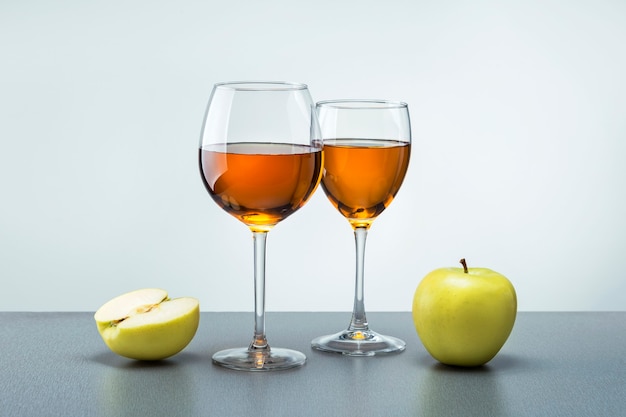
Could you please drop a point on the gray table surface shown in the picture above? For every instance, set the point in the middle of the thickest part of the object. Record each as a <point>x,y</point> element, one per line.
<point>554,364</point>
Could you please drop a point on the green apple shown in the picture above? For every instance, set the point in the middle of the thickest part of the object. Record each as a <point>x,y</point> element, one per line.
<point>147,325</point>
<point>463,316</point>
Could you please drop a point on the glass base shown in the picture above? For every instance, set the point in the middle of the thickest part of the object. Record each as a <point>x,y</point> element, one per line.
<point>274,359</point>
<point>358,343</point>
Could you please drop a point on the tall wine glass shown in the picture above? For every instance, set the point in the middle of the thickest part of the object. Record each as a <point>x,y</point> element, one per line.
<point>260,160</point>
<point>367,145</point>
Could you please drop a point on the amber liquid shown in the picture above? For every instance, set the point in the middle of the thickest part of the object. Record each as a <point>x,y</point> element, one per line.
<point>362,177</point>
<point>260,183</point>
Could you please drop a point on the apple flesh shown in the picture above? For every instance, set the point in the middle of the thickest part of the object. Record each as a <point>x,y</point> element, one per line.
<point>147,325</point>
<point>463,316</point>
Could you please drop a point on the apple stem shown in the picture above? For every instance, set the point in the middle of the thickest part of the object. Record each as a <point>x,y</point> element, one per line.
<point>464,265</point>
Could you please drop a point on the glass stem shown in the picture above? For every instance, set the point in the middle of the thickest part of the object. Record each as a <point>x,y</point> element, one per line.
<point>359,321</point>
<point>260,341</point>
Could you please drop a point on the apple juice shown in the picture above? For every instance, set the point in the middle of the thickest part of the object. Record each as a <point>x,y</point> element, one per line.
<point>260,183</point>
<point>362,177</point>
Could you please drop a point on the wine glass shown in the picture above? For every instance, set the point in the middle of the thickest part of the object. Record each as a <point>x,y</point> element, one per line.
<point>260,159</point>
<point>367,146</point>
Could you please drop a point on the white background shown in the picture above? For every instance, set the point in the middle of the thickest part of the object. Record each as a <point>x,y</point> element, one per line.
<point>518,164</point>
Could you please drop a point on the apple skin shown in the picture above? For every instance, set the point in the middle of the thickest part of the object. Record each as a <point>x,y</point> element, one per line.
<point>464,318</point>
<point>154,329</point>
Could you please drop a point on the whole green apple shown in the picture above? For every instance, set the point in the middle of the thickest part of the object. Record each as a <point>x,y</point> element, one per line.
<point>463,316</point>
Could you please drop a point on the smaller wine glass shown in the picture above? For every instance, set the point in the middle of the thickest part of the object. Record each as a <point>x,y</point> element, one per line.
<point>367,146</point>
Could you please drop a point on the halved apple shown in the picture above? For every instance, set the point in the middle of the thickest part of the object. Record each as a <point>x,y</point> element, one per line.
<point>147,325</point>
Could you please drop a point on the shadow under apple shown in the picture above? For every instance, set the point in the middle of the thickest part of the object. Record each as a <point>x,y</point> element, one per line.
<point>450,390</point>
<point>132,388</point>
